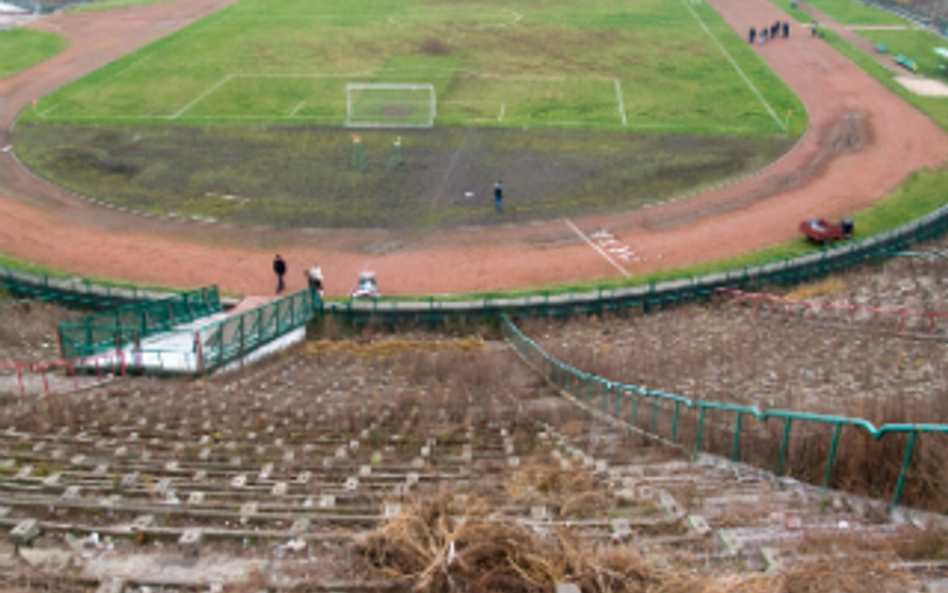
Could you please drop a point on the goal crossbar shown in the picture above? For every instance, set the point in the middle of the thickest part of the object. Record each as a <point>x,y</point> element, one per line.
<point>390,105</point>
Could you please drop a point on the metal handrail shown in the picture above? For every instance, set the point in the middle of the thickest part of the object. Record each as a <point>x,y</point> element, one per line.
<point>252,329</point>
<point>565,376</point>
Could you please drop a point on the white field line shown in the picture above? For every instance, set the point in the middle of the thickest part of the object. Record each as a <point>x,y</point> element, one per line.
<point>339,75</point>
<point>139,62</point>
<point>104,80</point>
<point>199,117</point>
<point>272,117</point>
<point>621,101</point>
<point>457,72</point>
<point>502,117</point>
<point>297,108</point>
<point>596,247</point>
<point>736,66</point>
<point>261,117</point>
<point>202,96</point>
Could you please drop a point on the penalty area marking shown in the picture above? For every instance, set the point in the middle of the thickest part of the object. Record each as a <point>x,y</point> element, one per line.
<point>203,95</point>
<point>737,67</point>
<point>593,244</point>
<point>500,116</point>
<point>207,23</point>
<point>43,114</point>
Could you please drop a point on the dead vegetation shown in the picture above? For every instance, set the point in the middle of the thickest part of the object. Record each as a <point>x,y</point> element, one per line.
<point>469,526</point>
<point>729,353</point>
<point>441,546</point>
<point>28,330</point>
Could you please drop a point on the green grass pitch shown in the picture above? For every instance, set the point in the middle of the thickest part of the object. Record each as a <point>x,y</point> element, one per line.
<point>663,65</point>
<point>852,12</point>
<point>22,48</point>
<point>918,45</point>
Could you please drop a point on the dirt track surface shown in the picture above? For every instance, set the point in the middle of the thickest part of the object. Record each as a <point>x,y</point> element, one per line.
<point>863,140</point>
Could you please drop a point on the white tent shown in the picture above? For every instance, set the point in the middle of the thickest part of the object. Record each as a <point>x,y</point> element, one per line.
<point>942,51</point>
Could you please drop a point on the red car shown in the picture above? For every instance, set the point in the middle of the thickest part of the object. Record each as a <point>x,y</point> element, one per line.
<point>822,231</point>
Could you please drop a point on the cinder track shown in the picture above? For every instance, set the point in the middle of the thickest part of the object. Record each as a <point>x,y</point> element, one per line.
<point>862,142</point>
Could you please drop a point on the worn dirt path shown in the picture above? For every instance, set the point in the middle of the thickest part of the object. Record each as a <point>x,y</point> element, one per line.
<point>862,142</point>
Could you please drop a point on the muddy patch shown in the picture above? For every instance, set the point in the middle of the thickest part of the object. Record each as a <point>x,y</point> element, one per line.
<point>437,178</point>
<point>848,133</point>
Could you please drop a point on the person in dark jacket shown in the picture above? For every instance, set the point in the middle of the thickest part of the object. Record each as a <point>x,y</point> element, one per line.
<point>752,35</point>
<point>279,268</point>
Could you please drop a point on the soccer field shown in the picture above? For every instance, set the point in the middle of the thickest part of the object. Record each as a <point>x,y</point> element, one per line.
<point>22,48</point>
<point>662,65</point>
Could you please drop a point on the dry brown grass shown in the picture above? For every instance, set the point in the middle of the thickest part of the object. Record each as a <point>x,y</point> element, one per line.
<point>393,346</point>
<point>717,353</point>
<point>28,330</point>
<point>439,547</point>
<point>828,286</point>
<point>836,575</point>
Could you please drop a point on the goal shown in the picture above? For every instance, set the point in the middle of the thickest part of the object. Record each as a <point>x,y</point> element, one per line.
<point>379,105</point>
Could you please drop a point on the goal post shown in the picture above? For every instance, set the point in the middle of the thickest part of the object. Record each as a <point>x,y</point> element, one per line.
<point>390,105</point>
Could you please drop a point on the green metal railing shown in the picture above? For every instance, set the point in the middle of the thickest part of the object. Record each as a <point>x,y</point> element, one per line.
<point>652,296</point>
<point>934,255</point>
<point>111,330</point>
<point>586,388</point>
<point>232,338</point>
<point>70,292</point>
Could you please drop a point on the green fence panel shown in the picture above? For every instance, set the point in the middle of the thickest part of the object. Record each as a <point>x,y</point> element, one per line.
<point>231,338</point>
<point>654,296</point>
<point>133,322</point>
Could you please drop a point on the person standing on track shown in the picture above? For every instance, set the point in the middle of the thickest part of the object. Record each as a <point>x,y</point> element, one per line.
<point>786,30</point>
<point>498,196</point>
<point>279,268</point>
<point>751,35</point>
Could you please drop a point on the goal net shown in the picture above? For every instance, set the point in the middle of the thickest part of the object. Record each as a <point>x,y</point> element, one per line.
<point>378,105</point>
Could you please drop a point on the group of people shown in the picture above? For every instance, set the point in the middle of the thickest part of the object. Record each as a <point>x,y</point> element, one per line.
<point>314,277</point>
<point>366,287</point>
<point>366,284</point>
<point>771,32</point>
